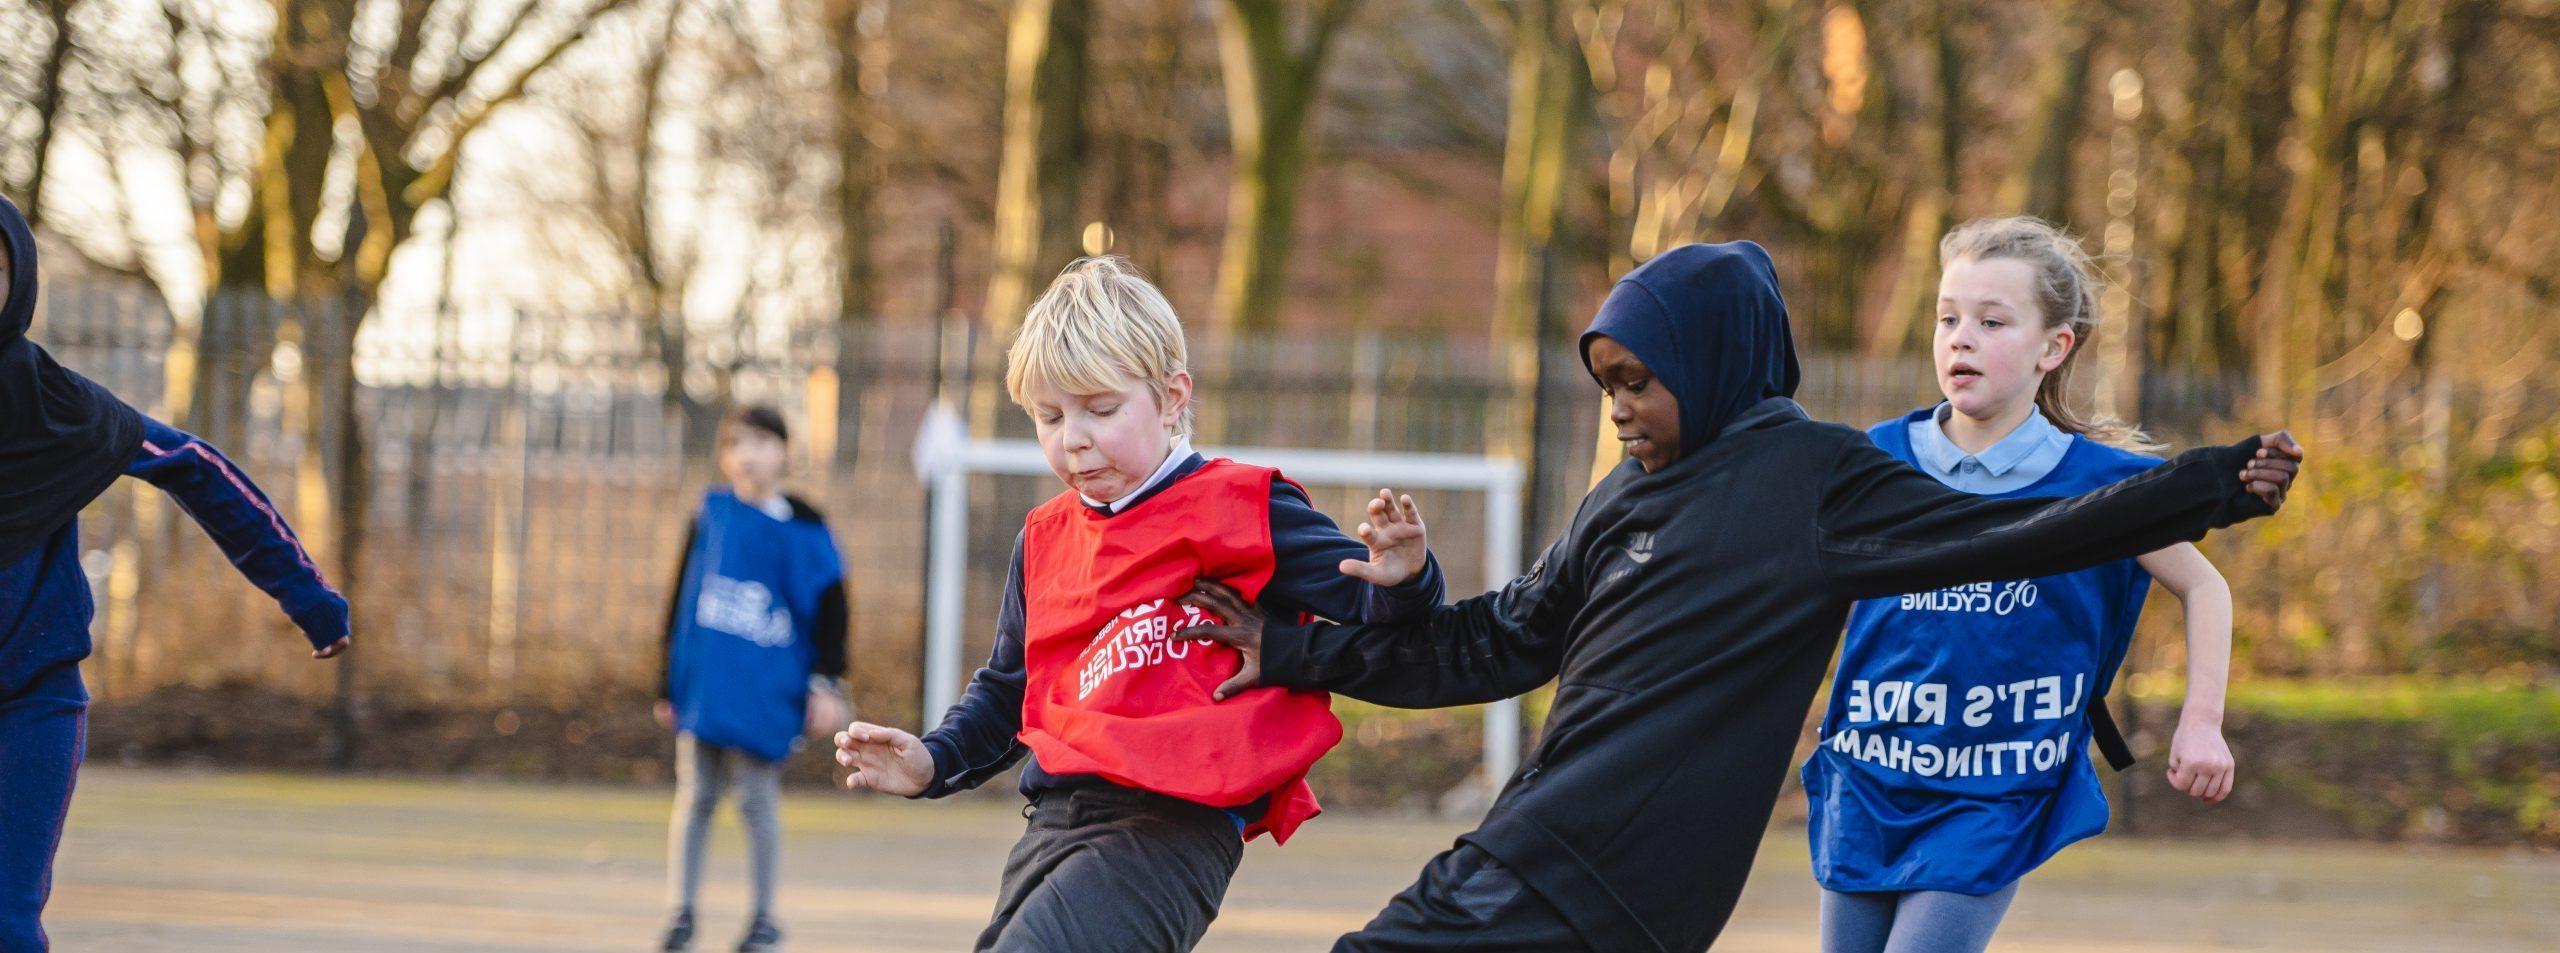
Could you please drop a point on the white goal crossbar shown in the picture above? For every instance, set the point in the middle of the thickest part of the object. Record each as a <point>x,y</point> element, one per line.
<point>946,579</point>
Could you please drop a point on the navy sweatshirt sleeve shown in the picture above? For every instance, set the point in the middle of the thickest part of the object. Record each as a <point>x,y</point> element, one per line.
<point>1886,529</point>
<point>1487,648</point>
<point>245,524</point>
<point>675,605</point>
<point>831,630</point>
<point>1308,550</point>
<point>976,738</point>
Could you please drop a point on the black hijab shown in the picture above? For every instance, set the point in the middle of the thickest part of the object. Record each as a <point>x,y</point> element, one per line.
<point>63,439</point>
<point>1708,322</point>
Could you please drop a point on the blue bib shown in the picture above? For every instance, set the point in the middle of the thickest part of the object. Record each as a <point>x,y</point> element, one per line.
<point>738,672</point>
<point>1954,750</point>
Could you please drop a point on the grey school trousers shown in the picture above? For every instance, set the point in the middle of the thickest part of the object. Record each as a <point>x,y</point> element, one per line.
<point>703,772</point>
<point>1114,870</point>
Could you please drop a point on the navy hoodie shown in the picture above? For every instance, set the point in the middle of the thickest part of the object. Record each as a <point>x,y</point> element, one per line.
<point>1689,614</point>
<point>63,439</point>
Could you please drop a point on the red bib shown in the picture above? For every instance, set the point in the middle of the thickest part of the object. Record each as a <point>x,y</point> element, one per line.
<point>1109,693</point>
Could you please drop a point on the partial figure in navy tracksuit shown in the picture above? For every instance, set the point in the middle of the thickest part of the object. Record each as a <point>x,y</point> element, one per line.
<point>63,439</point>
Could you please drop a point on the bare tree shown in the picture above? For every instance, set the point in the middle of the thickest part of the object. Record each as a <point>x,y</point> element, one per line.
<point>1274,56</point>
<point>1046,61</point>
<point>862,70</point>
<point>1142,131</point>
<point>47,103</point>
<point>1546,151</point>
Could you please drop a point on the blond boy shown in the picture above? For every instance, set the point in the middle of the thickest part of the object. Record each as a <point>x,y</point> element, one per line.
<point>1149,765</point>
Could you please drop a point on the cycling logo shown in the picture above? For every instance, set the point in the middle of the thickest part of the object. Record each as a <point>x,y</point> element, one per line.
<point>1141,637</point>
<point>1999,598</point>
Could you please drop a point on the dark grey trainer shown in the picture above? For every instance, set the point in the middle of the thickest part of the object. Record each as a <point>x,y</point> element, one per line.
<point>679,937</point>
<point>762,937</point>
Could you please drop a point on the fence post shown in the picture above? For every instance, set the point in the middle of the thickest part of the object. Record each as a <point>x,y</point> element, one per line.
<point>506,518</point>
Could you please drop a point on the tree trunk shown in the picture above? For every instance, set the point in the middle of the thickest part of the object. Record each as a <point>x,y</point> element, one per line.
<point>2293,301</point>
<point>1262,210</point>
<point>419,494</point>
<point>1042,166</point>
<point>269,259</point>
<point>857,186</point>
<point>1272,86</point>
<point>337,447</point>
<point>1042,170</point>
<point>1550,113</point>
<point>57,56</point>
<point>1138,183</point>
<point>2048,173</point>
<point>1894,305</point>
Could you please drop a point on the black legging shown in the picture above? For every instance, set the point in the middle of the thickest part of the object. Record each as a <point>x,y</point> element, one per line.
<point>1465,902</point>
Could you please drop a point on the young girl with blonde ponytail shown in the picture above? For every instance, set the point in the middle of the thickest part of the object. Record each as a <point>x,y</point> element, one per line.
<point>1953,755</point>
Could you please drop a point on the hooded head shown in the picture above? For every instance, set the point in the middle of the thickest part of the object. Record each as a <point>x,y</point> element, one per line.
<point>1708,324</point>
<point>17,274</point>
<point>62,438</point>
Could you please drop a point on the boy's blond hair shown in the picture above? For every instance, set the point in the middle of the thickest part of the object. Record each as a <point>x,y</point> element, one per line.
<point>1099,326</point>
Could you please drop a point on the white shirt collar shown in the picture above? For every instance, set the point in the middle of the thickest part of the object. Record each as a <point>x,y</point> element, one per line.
<point>1173,459</point>
<point>777,506</point>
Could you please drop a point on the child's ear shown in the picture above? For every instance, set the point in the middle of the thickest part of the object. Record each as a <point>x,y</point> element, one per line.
<point>2057,348</point>
<point>1177,396</point>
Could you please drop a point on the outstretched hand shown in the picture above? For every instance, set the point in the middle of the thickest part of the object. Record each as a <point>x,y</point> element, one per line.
<point>1241,632</point>
<point>1399,547</point>
<point>2270,473</point>
<point>333,649</point>
<point>883,759</point>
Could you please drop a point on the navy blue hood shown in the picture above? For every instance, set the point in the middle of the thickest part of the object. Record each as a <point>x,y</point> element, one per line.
<point>18,300</point>
<point>1707,320</point>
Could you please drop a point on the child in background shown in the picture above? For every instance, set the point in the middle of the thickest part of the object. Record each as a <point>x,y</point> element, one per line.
<point>63,439</point>
<point>1151,764</point>
<point>755,658</point>
<point>1923,855</point>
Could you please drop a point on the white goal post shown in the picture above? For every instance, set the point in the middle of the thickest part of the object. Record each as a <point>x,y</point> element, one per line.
<point>946,578</point>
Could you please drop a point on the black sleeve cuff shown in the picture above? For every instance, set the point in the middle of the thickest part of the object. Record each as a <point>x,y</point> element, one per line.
<point>2238,504</point>
<point>1284,655</point>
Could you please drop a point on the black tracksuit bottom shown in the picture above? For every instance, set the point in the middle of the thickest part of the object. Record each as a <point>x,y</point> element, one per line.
<point>1465,902</point>
<point>1111,869</point>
